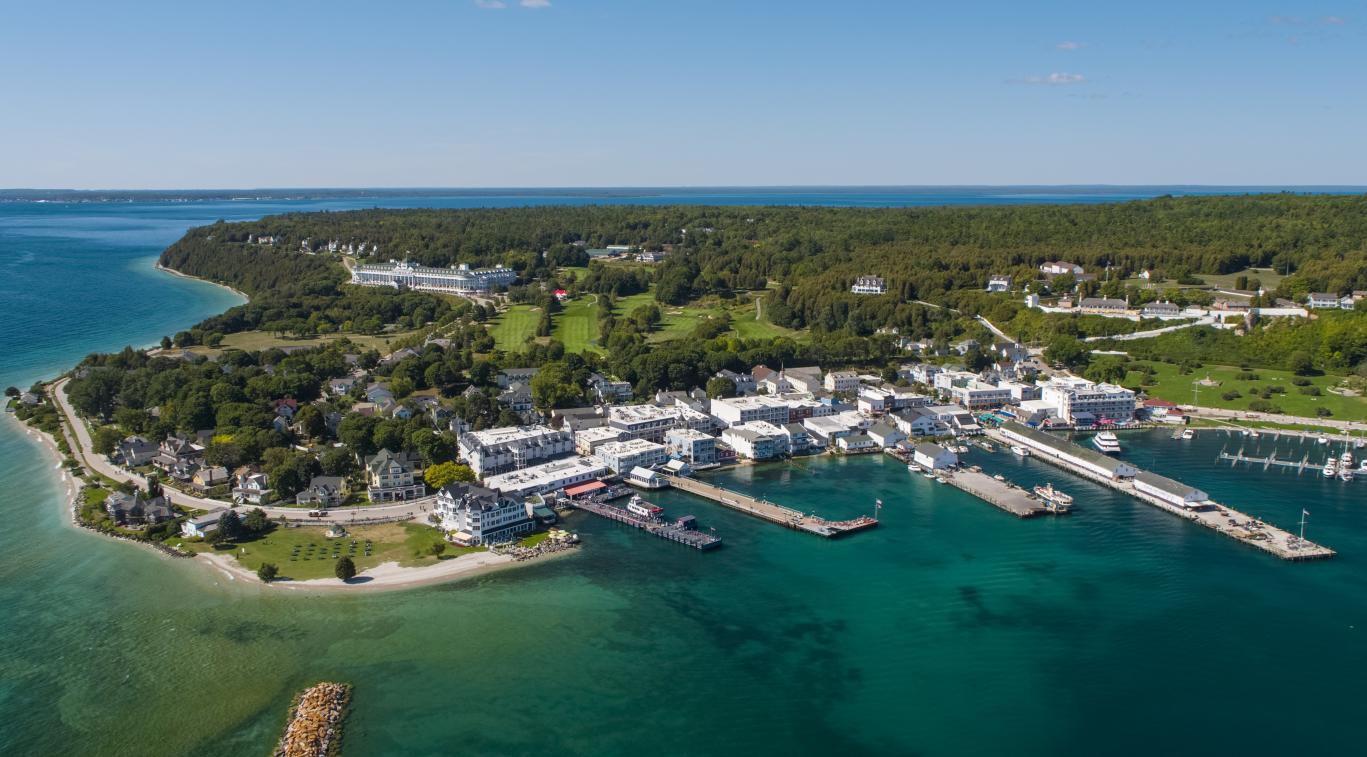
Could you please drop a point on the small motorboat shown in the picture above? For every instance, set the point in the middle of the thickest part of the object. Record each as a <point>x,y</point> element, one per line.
<point>1188,434</point>
<point>1019,450</point>
<point>1345,474</point>
<point>1330,469</point>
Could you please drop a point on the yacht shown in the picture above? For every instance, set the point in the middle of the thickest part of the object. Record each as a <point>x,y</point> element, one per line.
<point>1330,468</point>
<point>1345,474</point>
<point>1107,443</point>
<point>1362,466</point>
<point>1346,460</point>
<point>1019,450</point>
<point>1188,434</point>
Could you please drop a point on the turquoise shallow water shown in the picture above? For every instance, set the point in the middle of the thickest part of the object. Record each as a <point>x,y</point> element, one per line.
<point>951,629</point>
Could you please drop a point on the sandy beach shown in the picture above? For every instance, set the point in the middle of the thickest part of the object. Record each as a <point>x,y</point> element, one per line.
<point>174,272</point>
<point>384,577</point>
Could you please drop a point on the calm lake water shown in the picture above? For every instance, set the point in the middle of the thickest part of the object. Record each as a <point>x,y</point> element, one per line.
<point>953,628</point>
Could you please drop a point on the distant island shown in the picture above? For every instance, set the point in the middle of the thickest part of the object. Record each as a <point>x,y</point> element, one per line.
<point>423,387</point>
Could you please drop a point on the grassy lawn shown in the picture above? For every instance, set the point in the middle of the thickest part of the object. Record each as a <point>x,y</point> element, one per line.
<point>1172,385</point>
<point>289,548</point>
<point>1267,276</point>
<point>515,326</point>
<point>252,341</point>
<point>534,539</point>
<point>576,326</point>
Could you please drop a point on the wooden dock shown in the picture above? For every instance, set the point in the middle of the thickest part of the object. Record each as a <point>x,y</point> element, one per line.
<point>1226,520</point>
<point>783,516</point>
<point>662,529</point>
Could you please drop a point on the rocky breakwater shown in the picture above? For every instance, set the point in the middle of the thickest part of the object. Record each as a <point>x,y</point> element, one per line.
<point>315,721</point>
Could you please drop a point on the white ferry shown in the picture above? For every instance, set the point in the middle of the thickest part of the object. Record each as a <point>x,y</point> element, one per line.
<point>1054,499</point>
<point>1107,443</point>
<point>1019,450</point>
<point>643,508</point>
<point>1188,434</point>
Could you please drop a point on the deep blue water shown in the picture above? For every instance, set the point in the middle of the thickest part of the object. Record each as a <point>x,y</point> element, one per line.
<point>951,629</point>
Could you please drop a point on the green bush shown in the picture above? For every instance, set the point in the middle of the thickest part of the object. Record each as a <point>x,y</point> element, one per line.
<point>1300,381</point>
<point>1311,391</point>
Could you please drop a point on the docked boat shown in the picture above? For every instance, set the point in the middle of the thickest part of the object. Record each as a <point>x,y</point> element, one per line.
<point>999,476</point>
<point>1053,498</point>
<point>638,506</point>
<point>1345,474</point>
<point>1331,468</point>
<point>1346,460</point>
<point>1188,434</point>
<point>913,467</point>
<point>1322,440</point>
<point>928,474</point>
<point>986,445</point>
<point>1362,466</point>
<point>1107,442</point>
<point>1019,450</point>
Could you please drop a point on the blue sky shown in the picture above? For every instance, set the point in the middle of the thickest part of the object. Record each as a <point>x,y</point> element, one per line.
<point>704,92</point>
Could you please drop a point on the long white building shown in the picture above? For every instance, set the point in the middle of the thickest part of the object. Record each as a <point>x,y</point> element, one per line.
<point>473,515</point>
<point>459,279</point>
<point>652,422</point>
<point>1081,402</point>
<point>632,453</point>
<point>499,449</point>
<point>547,477</point>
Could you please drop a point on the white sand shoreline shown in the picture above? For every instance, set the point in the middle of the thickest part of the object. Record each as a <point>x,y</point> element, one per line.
<point>174,272</point>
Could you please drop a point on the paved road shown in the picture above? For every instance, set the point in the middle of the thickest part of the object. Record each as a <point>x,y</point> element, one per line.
<point>92,460</point>
<point>1292,420</point>
<point>1205,321</point>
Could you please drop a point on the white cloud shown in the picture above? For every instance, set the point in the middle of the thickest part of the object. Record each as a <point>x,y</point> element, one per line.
<point>1071,45</point>
<point>490,4</point>
<point>1055,79</point>
<point>535,3</point>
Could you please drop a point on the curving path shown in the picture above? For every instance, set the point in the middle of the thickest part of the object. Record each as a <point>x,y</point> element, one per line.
<point>84,452</point>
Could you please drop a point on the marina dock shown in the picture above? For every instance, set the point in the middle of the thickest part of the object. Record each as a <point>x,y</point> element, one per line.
<point>1001,494</point>
<point>1217,517</point>
<point>664,530</point>
<point>783,516</point>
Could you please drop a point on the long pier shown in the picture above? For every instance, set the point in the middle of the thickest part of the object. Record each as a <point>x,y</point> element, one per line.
<point>1225,520</point>
<point>669,532</point>
<point>1000,494</point>
<point>764,510</point>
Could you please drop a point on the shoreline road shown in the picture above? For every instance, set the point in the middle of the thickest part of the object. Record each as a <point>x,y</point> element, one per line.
<point>1290,420</point>
<point>87,457</point>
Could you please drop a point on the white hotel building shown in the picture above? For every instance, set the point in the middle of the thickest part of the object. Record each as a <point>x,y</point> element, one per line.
<point>461,279</point>
<point>632,453</point>
<point>473,515</point>
<point>509,447</point>
<point>652,422</point>
<point>547,477</point>
<point>1081,402</point>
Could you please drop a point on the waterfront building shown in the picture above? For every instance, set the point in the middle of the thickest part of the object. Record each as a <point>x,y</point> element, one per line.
<point>587,441</point>
<point>1168,490</point>
<point>869,285</point>
<point>919,421</point>
<point>547,477</point>
<point>390,478</point>
<point>622,456</point>
<point>1081,402</point>
<point>1048,445</point>
<point>756,440</point>
<point>855,442</point>
<point>457,279</point>
<point>934,457</point>
<point>200,526</point>
<point>799,441</point>
<point>827,429</point>
<point>137,510</point>
<point>473,515</point>
<point>691,445</point>
<point>507,447</point>
<point>886,434</point>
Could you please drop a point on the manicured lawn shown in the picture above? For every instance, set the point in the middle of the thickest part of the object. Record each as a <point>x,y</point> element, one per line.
<point>746,326</point>
<point>290,550</point>
<point>515,326</point>
<point>576,326</point>
<point>534,539</point>
<point>1172,385</point>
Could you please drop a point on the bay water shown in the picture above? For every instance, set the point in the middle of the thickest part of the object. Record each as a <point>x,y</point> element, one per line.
<point>952,628</point>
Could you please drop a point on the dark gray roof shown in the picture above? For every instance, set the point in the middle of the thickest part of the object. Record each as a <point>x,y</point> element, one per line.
<point>933,450</point>
<point>1170,486</point>
<point>1063,445</point>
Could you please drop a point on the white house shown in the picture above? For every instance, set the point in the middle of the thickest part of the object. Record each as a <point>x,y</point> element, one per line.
<point>1059,268</point>
<point>858,442</point>
<point>919,421</point>
<point>390,478</point>
<point>934,457</point>
<point>869,285</point>
<point>473,515</point>
<point>999,284</point>
<point>886,434</point>
<point>200,526</point>
<point>1322,300</point>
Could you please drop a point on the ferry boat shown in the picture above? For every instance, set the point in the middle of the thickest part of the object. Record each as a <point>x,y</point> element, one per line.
<point>1019,450</point>
<point>1107,443</point>
<point>1188,434</point>
<point>1053,498</point>
<point>638,506</point>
